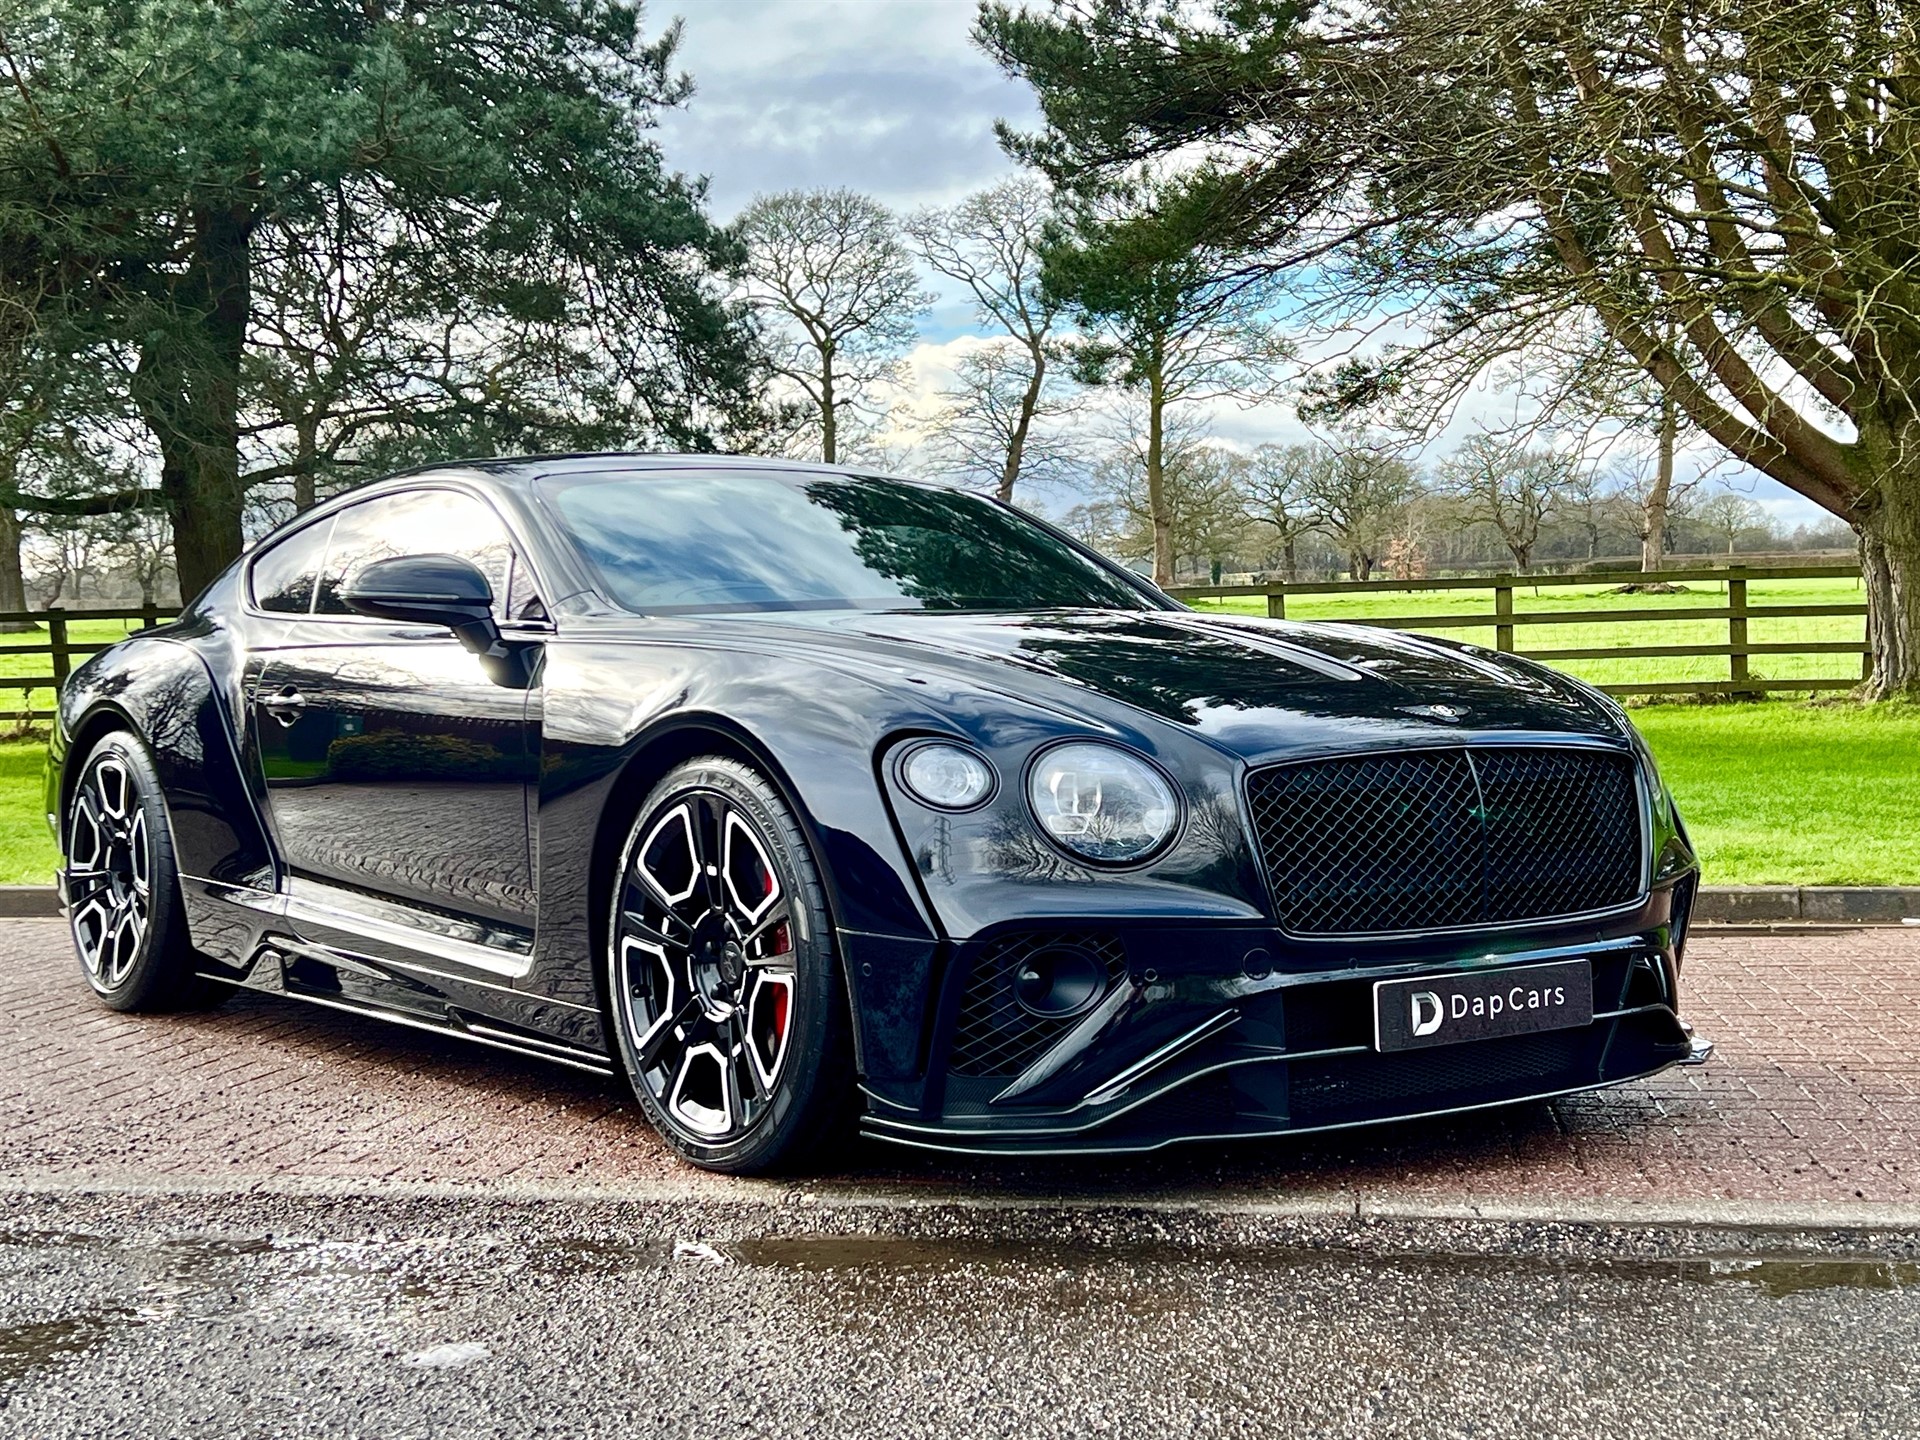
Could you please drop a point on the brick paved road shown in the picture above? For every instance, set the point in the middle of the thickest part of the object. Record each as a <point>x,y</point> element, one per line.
<point>1814,1096</point>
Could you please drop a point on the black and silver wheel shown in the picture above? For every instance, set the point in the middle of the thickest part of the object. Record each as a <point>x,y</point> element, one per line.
<point>726,1004</point>
<point>123,898</point>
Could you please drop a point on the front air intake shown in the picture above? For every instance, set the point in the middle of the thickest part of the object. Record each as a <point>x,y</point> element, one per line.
<point>1025,991</point>
<point>1444,839</point>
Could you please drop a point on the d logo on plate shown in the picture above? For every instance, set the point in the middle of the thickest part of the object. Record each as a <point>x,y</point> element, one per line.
<point>1427,1012</point>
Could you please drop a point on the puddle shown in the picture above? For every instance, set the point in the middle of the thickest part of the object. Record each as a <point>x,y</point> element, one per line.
<point>1777,1276</point>
<point>1783,1277</point>
<point>26,1348</point>
<point>815,1254</point>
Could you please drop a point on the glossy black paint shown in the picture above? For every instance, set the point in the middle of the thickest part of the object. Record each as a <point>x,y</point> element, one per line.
<point>370,815</point>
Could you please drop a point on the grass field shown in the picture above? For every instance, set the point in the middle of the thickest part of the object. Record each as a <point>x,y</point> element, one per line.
<point>1795,794</point>
<point>1678,631</point>
<point>1774,793</point>
<point>27,854</point>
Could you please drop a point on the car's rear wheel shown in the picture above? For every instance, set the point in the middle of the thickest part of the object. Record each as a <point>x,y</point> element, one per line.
<point>123,890</point>
<point>727,1007</point>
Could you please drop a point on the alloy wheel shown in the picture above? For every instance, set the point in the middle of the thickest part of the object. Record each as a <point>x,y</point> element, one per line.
<point>704,965</point>
<point>109,871</point>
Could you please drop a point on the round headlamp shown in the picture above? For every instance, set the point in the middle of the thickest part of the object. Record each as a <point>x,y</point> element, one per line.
<point>1101,802</point>
<point>947,777</point>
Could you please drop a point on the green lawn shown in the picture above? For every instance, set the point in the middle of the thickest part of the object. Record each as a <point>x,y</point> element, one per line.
<point>27,854</point>
<point>1794,794</point>
<point>1775,793</point>
<point>1678,631</point>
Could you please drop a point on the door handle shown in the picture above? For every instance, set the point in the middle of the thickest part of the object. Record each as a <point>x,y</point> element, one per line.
<point>284,707</point>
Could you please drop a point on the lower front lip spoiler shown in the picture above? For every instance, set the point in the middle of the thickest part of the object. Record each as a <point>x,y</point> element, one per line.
<point>1699,1048</point>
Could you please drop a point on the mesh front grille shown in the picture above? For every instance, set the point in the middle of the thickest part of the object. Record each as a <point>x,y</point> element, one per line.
<point>995,1036</point>
<point>1375,844</point>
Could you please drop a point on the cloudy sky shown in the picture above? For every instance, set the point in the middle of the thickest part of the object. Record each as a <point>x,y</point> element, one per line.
<point>888,97</point>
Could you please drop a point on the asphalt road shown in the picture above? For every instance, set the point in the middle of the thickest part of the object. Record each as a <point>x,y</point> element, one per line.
<point>238,1316</point>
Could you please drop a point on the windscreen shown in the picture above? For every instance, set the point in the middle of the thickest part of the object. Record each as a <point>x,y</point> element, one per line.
<point>714,541</point>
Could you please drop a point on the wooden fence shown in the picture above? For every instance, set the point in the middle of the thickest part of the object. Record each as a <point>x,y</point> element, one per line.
<point>1738,613</point>
<point>60,648</point>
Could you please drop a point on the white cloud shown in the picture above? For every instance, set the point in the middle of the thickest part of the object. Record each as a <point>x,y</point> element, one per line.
<point>886,96</point>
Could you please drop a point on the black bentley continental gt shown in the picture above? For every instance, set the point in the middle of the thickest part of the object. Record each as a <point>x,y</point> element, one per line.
<point>795,795</point>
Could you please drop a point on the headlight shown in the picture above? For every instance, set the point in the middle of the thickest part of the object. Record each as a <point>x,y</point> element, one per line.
<point>1102,802</point>
<point>1643,752</point>
<point>947,777</point>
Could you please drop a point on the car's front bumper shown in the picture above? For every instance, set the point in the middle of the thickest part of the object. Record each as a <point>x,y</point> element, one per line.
<point>1219,1032</point>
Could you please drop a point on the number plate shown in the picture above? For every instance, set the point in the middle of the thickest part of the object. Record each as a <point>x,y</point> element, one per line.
<point>1481,1004</point>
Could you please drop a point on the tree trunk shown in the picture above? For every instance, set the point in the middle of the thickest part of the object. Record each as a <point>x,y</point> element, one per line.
<point>201,486</point>
<point>1359,565</point>
<point>829,411</point>
<point>189,394</point>
<point>1890,567</point>
<point>1653,534</point>
<point>308,438</point>
<point>13,581</point>
<point>1157,508</point>
<point>1017,442</point>
<point>1292,555</point>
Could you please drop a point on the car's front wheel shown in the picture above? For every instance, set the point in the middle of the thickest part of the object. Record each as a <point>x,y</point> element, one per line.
<point>123,890</point>
<point>726,1004</point>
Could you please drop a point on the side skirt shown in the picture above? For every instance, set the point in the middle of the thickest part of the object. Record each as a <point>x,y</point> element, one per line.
<point>321,976</point>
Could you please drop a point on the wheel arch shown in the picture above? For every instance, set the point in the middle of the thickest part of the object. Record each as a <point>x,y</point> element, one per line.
<point>674,742</point>
<point>102,719</point>
<point>164,693</point>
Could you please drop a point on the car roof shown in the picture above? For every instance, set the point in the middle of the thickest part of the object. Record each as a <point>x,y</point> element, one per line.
<point>523,470</point>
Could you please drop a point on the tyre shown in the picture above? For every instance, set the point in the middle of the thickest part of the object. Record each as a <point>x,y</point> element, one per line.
<point>123,890</point>
<point>727,1008</point>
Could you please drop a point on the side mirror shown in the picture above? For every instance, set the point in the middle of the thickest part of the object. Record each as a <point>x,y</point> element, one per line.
<point>429,590</point>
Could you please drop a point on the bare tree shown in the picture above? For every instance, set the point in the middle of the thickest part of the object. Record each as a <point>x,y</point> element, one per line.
<point>991,243</point>
<point>1278,487</point>
<point>991,426</point>
<point>1198,509</point>
<point>1512,489</point>
<point>140,542</point>
<point>1360,492</point>
<point>1587,502</point>
<point>67,549</point>
<point>1659,498</point>
<point>1730,516</point>
<point>828,270</point>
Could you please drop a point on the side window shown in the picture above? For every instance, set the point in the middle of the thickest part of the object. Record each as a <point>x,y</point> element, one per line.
<point>419,522</point>
<point>284,572</point>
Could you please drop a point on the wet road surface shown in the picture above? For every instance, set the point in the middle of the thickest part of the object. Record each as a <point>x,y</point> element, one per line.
<point>239,1316</point>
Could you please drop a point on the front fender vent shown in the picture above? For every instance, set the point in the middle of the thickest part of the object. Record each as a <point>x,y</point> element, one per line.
<point>1441,839</point>
<point>996,1035</point>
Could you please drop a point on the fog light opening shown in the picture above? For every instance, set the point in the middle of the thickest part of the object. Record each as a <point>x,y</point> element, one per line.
<point>1059,982</point>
